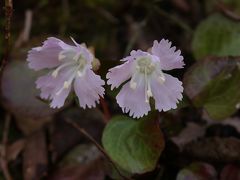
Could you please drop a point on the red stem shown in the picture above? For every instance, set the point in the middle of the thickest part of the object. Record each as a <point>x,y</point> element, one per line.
<point>106,111</point>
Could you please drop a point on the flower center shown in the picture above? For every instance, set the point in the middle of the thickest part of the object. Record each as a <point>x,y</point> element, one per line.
<point>74,61</point>
<point>145,66</point>
<point>71,58</point>
<point>81,63</point>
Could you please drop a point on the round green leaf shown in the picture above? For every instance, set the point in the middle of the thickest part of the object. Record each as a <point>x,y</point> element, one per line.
<point>135,146</point>
<point>214,84</point>
<point>217,35</point>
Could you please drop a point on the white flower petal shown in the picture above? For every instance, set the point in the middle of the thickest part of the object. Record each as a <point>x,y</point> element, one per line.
<point>89,89</point>
<point>45,56</point>
<point>119,74</point>
<point>169,58</point>
<point>167,94</point>
<point>133,100</point>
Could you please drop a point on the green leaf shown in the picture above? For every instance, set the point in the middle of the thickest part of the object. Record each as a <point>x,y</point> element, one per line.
<point>217,35</point>
<point>214,84</point>
<point>135,146</point>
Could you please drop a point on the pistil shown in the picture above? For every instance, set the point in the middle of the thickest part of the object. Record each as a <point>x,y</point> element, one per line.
<point>148,91</point>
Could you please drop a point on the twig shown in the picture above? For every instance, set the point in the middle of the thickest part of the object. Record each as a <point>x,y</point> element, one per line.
<point>25,33</point>
<point>106,14</point>
<point>227,11</point>
<point>174,19</point>
<point>89,137</point>
<point>7,34</point>
<point>135,34</point>
<point>3,159</point>
<point>106,111</point>
<point>182,5</point>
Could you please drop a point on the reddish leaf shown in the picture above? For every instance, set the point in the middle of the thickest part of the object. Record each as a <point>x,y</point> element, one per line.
<point>197,171</point>
<point>230,172</point>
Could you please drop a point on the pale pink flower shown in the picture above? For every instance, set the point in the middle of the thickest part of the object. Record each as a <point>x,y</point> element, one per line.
<point>145,78</point>
<point>69,68</point>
